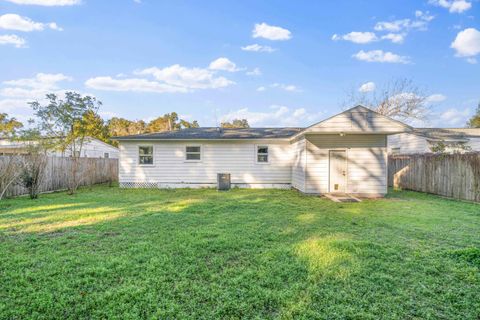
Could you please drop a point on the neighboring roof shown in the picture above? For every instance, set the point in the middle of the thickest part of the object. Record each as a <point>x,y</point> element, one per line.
<point>212,133</point>
<point>21,143</point>
<point>447,134</point>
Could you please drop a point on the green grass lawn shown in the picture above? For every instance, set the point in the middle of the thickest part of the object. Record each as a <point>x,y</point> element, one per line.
<point>128,254</point>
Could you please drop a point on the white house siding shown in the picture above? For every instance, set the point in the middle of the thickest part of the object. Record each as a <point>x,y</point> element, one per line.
<point>366,162</point>
<point>170,169</point>
<point>299,164</point>
<point>93,148</point>
<point>407,143</point>
<point>474,143</point>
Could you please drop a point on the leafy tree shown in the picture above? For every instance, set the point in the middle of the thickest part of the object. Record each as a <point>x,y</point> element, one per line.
<point>474,121</point>
<point>185,124</point>
<point>236,123</point>
<point>8,126</point>
<point>95,126</point>
<point>64,122</point>
<point>169,122</point>
<point>122,127</point>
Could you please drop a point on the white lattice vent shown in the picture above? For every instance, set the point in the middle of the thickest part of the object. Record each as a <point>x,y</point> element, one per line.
<point>147,185</point>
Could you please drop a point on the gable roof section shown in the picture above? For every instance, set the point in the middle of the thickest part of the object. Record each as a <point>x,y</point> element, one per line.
<point>359,120</point>
<point>213,133</point>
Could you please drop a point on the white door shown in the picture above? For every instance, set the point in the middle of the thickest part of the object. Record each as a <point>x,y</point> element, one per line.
<point>338,171</point>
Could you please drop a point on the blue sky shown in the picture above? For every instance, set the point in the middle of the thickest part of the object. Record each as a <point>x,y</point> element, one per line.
<point>277,63</point>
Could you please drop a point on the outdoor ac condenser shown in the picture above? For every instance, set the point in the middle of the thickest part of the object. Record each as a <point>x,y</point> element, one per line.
<point>223,181</point>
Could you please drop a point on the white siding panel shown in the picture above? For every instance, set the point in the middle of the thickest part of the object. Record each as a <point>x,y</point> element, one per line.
<point>299,164</point>
<point>474,143</point>
<point>366,165</point>
<point>408,143</point>
<point>236,158</point>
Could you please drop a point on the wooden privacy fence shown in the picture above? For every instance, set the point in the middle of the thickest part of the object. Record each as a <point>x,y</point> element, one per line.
<point>450,175</point>
<point>93,171</point>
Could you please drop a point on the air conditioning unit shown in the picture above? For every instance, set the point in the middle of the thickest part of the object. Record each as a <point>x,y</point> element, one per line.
<point>223,181</point>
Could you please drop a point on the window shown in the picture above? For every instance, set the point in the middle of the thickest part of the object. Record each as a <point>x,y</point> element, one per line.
<point>262,154</point>
<point>106,155</point>
<point>193,153</point>
<point>145,155</point>
<point>395,151</point>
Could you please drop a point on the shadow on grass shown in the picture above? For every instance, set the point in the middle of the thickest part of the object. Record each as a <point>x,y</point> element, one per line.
<point>205,254</point>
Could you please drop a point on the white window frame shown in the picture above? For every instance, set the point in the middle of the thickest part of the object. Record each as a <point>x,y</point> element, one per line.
<point>257,146</point>
<point>200,153</point>
<point>153,155</point>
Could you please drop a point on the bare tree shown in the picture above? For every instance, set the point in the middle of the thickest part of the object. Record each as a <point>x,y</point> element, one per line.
<point>10,170</point>
<point>398,98</point>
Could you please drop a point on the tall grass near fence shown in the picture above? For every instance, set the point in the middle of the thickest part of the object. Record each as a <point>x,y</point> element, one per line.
<point>450,175</point>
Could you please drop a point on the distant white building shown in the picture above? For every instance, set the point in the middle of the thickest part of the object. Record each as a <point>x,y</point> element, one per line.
<point>427,140</point>
<point>92,148</point>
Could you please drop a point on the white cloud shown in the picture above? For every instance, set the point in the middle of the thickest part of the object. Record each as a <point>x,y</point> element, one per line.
<point>13,40</point>
<point>263,30</point>
<point>254,72</point>
<point>275,117</point>
<point>380,56</point>
<point>286,87</point>
<point>258,48</point>
<point>367,87</point>
<point>395,37</point>
<point>357,37</point>
<point>419,23</point>
<point>472,60</point>
<point>131,84</point>
<point>452,118</point>
<point>393,26</point>
<point>15,94</point>
<point>12,21</point>
<point>223,64</point>
<point>48,3</point>
<point>435,98</point>
<point>262,88</point>
<point>467,44</point>
<point>172,79</point>
<point>453,6</point>
<point>189,78</point>
<point>33,88</point>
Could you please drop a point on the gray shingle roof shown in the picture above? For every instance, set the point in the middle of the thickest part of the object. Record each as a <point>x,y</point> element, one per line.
<point>216,133</point>
<point>447,133</point>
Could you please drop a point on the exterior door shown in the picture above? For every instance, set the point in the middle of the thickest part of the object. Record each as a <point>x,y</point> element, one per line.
<point>338,171</point>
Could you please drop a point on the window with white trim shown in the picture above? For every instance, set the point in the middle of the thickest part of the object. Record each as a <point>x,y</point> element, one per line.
<point>145,155</point>
<point>193,153</point>
<point>262,154</point>
<point>106,155</point>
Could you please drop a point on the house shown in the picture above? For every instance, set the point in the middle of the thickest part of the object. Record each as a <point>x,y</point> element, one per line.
<point>346,153</point>
<point>426,140</point>
<point>92,148</point>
